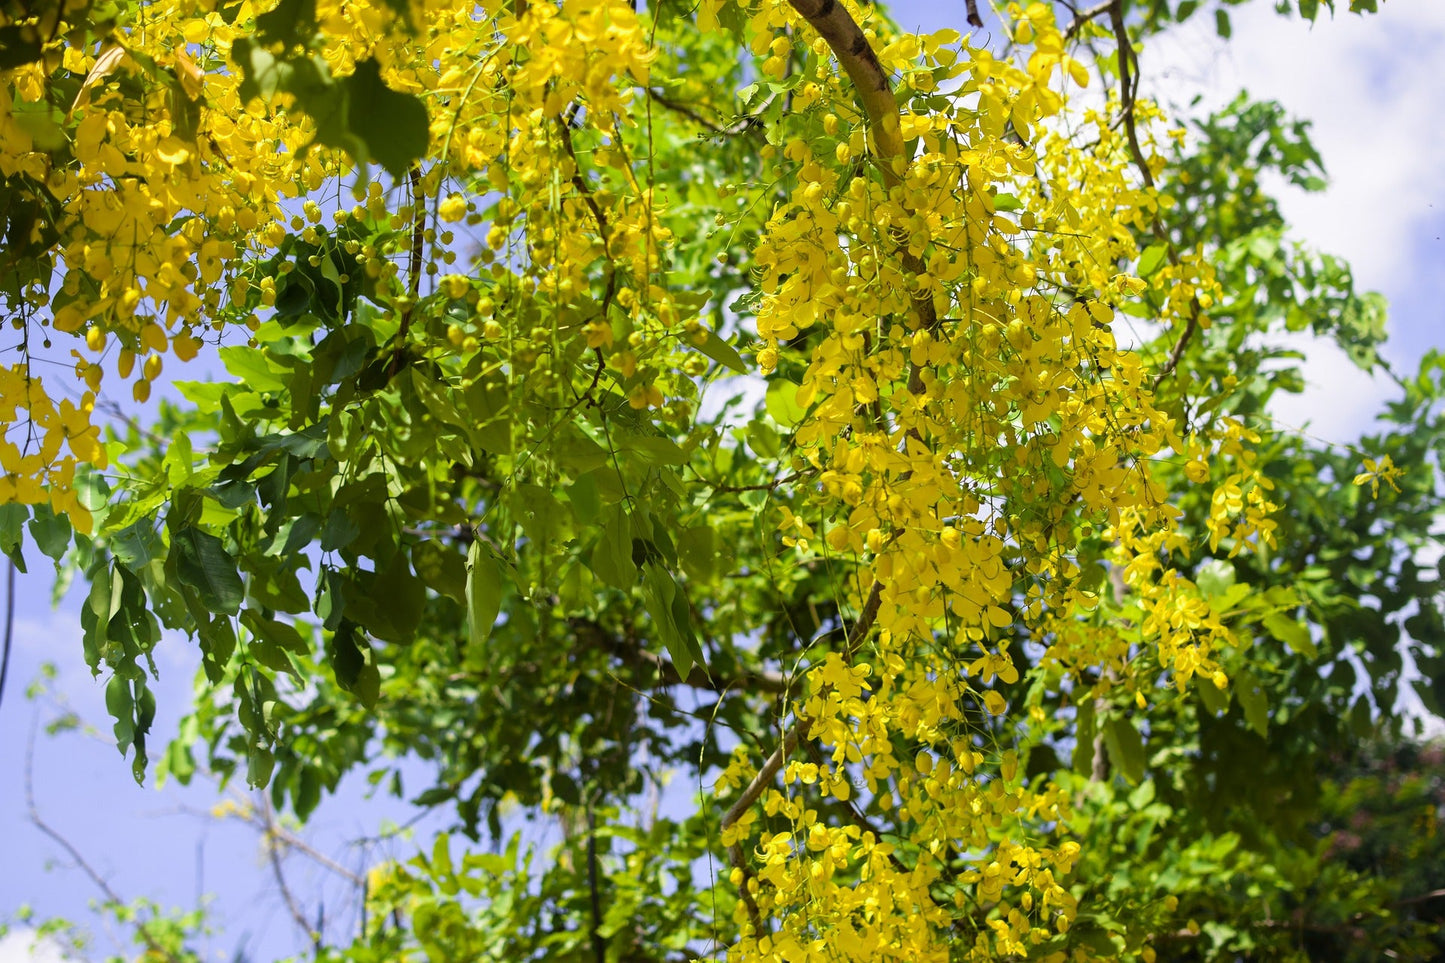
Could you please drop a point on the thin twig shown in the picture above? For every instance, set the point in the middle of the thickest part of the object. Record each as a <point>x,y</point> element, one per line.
<point>743,124</point>
<point>111,896</point>
<point>292,841</point>
<point>1126,88</point>
<point>750,795</point>
<point>1128,71</point>
<point>272,842</point>
<point>875,90</point>
<point>1423,897</point>
<point>9,626</point>
<point>604,232</point>
<point>1084,16</point>
<point>666,674</point>
<point>413,268</point>
<point>773,485</point>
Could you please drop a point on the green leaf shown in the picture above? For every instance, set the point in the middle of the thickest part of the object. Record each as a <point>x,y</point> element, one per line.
<point>263,74</point>
<point>347,659</point>
<point>13,516</point>
<point>1214,577</point>
<point>289,23</point>
<point>392,125</point>
<point>251,367</point>
<point>1222,25</point>
<point>666,603</point>
<point>278,633</point>
<point>218,642</point>
<point>763,439</point>
<point>441,568</point>
<point>652,449</point>
<point>1126,749</point>
<point>119,704</point>
<point>368,685</point>
<point>723,353</point>
<point>260,762</point>
<point>307,794</point>
<point>697,549</point>
<point>1142,795</point>
<point>1292,633</point>
<point>105,594</point>
<point>484,594</point>
<point>19,45</point>
<point>611,558</point>
<point>403,596</point>
<point>583,496</point>
<point>1253,701</point>
<point>781,402</point>
<point>1215,699</point>
<point>1151,260</point>
<point>203,565</point>
<point>50,531</point>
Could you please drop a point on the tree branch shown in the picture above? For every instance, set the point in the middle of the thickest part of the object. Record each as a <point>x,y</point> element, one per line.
<point>9,625</point>
<point>743,124</point>
<point>111,896</point>
<point>666,674</point>
<point>1128,70</point>
<point>795,734</point>
<point>1082,17</point>
<point>272,841</point>
<point>843,35</point>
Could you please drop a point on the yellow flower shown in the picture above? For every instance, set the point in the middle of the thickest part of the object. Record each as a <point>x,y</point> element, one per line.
<point>453,209</point>
<point>1377,471</point>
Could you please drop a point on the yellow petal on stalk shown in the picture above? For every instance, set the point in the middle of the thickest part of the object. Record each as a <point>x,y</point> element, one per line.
<point>104,65</point>
<point>185,346</point>
<point>193,78</point>
<point>173,151</point>
<point>1078,73</point>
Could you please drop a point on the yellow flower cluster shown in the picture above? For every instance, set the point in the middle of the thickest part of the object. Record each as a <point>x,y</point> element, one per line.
<point>973,422</point>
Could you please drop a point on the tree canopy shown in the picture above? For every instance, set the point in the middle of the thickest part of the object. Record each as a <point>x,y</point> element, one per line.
<point>857,438</point>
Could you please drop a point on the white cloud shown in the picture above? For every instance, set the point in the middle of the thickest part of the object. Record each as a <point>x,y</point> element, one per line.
<point>1372,87</point>
<point>26,946</point>
<point>1372,90</point>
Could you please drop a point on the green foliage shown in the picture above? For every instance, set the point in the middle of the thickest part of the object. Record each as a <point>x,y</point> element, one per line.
<point>555,601</point>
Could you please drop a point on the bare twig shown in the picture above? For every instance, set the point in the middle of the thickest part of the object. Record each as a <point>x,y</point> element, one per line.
<point>1422,898</point>
<point>55,836</point>
<point>666,674</point>
<point>292,841</point>
<point>773,485</point>
<point>743,124</point>
<point>272,841</point>
<point>9,625</point>
<point>413,269</point>
<point>604,232</point>
<point>1082,17</point>
<point>1127,67</point>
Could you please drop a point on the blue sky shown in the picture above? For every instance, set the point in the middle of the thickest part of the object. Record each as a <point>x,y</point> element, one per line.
<point>1374,90</point>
